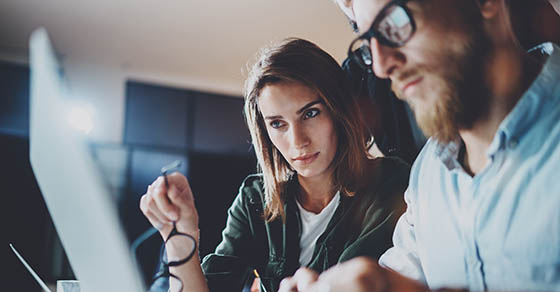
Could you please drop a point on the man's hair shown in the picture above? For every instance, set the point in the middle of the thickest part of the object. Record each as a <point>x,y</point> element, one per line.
<point>302,62</point>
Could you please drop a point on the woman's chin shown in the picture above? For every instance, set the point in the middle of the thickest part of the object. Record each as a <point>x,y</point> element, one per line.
<point>308,172</point>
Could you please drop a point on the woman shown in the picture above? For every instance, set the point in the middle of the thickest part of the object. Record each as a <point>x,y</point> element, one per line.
<point>318,200</point>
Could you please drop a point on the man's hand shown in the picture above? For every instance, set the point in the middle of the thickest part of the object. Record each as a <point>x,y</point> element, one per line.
<point>360,274</point>
<point>556,5</point>
<point>301,281</point>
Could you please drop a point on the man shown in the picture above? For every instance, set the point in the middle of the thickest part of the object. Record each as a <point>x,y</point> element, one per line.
<point>484,192</point>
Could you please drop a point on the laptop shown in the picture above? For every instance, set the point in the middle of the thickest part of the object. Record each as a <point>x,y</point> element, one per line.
<point>77,196</point>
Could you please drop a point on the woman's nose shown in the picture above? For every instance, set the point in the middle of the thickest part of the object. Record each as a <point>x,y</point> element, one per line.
<point>300,137</point>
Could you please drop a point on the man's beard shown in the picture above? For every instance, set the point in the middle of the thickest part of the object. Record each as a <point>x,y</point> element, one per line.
<point>462,98</point>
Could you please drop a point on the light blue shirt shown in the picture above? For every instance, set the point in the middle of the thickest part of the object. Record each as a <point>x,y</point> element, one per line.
<point>498,230</point>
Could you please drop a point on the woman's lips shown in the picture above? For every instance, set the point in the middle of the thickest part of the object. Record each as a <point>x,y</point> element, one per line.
<point>306,159</point>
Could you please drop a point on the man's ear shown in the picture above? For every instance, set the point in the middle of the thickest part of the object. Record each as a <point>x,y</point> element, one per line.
<point>489,8</point>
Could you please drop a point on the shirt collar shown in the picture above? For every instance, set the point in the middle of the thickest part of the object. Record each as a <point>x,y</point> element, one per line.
<point>448,153</point>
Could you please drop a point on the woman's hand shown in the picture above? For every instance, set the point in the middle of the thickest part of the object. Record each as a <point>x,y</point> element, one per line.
<point>162,207</point>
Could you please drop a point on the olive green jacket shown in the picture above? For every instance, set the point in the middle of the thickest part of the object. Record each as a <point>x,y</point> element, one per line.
<point>362,225</point>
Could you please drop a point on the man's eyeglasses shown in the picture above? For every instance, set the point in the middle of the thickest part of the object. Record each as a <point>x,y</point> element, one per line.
<point>186,242</point>
<point>393,27</point>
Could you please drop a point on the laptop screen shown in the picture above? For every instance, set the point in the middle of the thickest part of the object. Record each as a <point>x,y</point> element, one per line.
<point>79,187</point>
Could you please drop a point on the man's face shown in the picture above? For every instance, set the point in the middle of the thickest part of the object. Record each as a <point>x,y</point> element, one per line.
<point>440,70</point>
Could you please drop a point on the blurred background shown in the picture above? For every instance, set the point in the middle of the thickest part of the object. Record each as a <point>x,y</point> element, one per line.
<point>152,82</point>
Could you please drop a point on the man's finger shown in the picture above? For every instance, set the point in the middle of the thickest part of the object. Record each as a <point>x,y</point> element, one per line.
<point>287,285</point>
<point>304,278</point>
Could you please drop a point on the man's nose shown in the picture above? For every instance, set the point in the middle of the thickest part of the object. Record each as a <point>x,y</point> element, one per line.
<point>385,60</point>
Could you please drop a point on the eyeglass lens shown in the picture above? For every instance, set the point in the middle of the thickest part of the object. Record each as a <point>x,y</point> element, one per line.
<point>395,25</point>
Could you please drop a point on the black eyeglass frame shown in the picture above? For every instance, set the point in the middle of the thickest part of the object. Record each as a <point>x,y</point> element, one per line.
<point>373,33</point>
<point>174,232</point>
<point>165,273</point>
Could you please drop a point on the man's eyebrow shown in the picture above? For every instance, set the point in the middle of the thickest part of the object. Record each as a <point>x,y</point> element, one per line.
<point>298,112</point>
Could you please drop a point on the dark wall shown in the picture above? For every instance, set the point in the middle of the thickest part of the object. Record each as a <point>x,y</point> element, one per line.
<point>14,99</point>
<point>534,22</point>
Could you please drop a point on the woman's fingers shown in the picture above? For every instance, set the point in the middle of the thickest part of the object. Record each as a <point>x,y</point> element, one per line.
<point>156,211</point>
<point>163,205</point>
<point>181,183</point>
<point>183,198</point>
<point>188,216</point>
<point>156,218</point>
<point>160,196</point>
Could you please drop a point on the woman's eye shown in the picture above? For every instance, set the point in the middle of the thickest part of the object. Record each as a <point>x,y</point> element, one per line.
<point>276,124</point>
<point>311,114</point>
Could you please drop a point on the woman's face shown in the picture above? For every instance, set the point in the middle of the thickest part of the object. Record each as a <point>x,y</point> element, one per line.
<point>300,127</point>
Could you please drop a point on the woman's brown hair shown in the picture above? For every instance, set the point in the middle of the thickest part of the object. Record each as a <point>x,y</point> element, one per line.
<point>300,61</point>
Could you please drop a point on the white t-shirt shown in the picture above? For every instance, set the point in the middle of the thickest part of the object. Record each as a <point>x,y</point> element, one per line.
<point>313,226</point>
